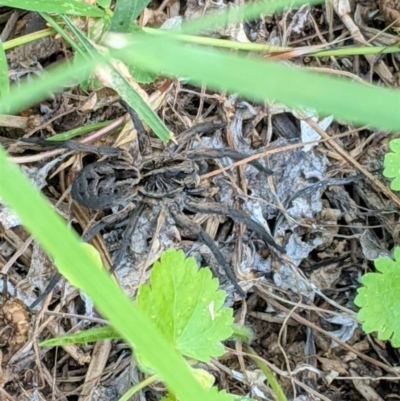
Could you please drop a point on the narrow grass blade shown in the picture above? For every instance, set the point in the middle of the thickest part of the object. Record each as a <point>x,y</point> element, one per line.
<point>63,245</point>
<point>31,37</point>
<point>126,11</point>
<point>129,91</point>
<point>84,337</point>
<point>4,81</point>
<point>266,81</point>
<point>118,77</point>
<point>73,7</point>
<point>269,376</point>
<point>65,136</point>
<point>231,15</point>
<point>50,21</point>
<point>36,89</point>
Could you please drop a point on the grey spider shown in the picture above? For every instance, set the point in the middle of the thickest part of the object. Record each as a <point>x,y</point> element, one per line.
<point>173,182</point>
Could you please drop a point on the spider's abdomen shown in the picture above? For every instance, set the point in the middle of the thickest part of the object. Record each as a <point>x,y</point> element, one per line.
<point>104,184</point>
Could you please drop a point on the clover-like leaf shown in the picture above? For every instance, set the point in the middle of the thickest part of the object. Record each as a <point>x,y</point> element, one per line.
<point>187,307</point>
<point>392,164</point>
<point>379,300</point>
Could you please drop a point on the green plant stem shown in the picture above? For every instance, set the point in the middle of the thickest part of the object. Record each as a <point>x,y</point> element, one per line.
<point>65,136</point>
<point>354,51</point>
<point>22,40</point>
<point>257,47</point>
<point>138,387</point>
<point>222,43</point>
<point>269,375</point>
<point>205,41</point>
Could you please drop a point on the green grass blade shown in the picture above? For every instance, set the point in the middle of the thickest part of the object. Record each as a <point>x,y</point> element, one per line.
<point>63,245</point>
<point>355,50</point>
<point>112,77</point>
<point>269,376</point>
<point>31,37</point>
<point>84,337</point>
<point>246,12</point>
<point>128,93</point>
<point>39,88</point>
<point>65,136</point>
<point>73,7</point>
<point>50,21</point>
<point>267,81</point>
<point>4,81</point>
<point>263,48</point>
<point>126,11</point>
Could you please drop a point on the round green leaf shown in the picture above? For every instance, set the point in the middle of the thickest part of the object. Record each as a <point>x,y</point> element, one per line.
<point>379,300</point>
<point>392,164</point>
<point>187,307</point>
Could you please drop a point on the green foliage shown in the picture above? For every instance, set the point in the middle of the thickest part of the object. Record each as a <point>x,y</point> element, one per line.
<point>392,164</point>
<point>242,333</point>
<point>183,302</point>
<point>77,266</point>
<point>104,3</point>
<point>84,337</point>
<point>4,81</point>
<point>65,136</point>
<point>222,396</point>
<point>126,11</point>
<point>117,77</point>
<point>141,76</point>
<point>379,300</point>
<point>260,80</point>
<point>72,7</point>
<point>187,307</point>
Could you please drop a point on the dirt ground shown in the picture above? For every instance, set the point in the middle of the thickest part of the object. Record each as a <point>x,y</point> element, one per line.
<point>321,202</point>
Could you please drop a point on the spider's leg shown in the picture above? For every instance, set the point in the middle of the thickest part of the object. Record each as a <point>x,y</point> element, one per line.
<point>133,219</point>
<point>107,221</point>
<point>235,215</point>
<point>54,280</point>
<point>96,228</point>
<point>185,222</point>
<point>225,152</point>
<point>143,138</point>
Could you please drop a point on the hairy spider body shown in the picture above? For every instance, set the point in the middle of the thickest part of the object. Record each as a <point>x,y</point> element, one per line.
<point>174,181</point>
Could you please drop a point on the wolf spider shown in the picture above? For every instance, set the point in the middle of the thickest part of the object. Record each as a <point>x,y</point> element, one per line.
<point>172,181</point>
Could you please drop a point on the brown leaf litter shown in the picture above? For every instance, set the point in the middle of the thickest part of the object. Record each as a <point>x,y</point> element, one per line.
<point>326,202</point>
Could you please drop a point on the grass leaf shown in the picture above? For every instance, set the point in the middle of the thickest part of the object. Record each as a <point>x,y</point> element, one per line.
<point>126,11</point>
<point>36,89</point>
<point>4,81</point>
<point>231,15</point>
<point>266,81</point>
<point>84,337</point>
<point>73,7</point>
